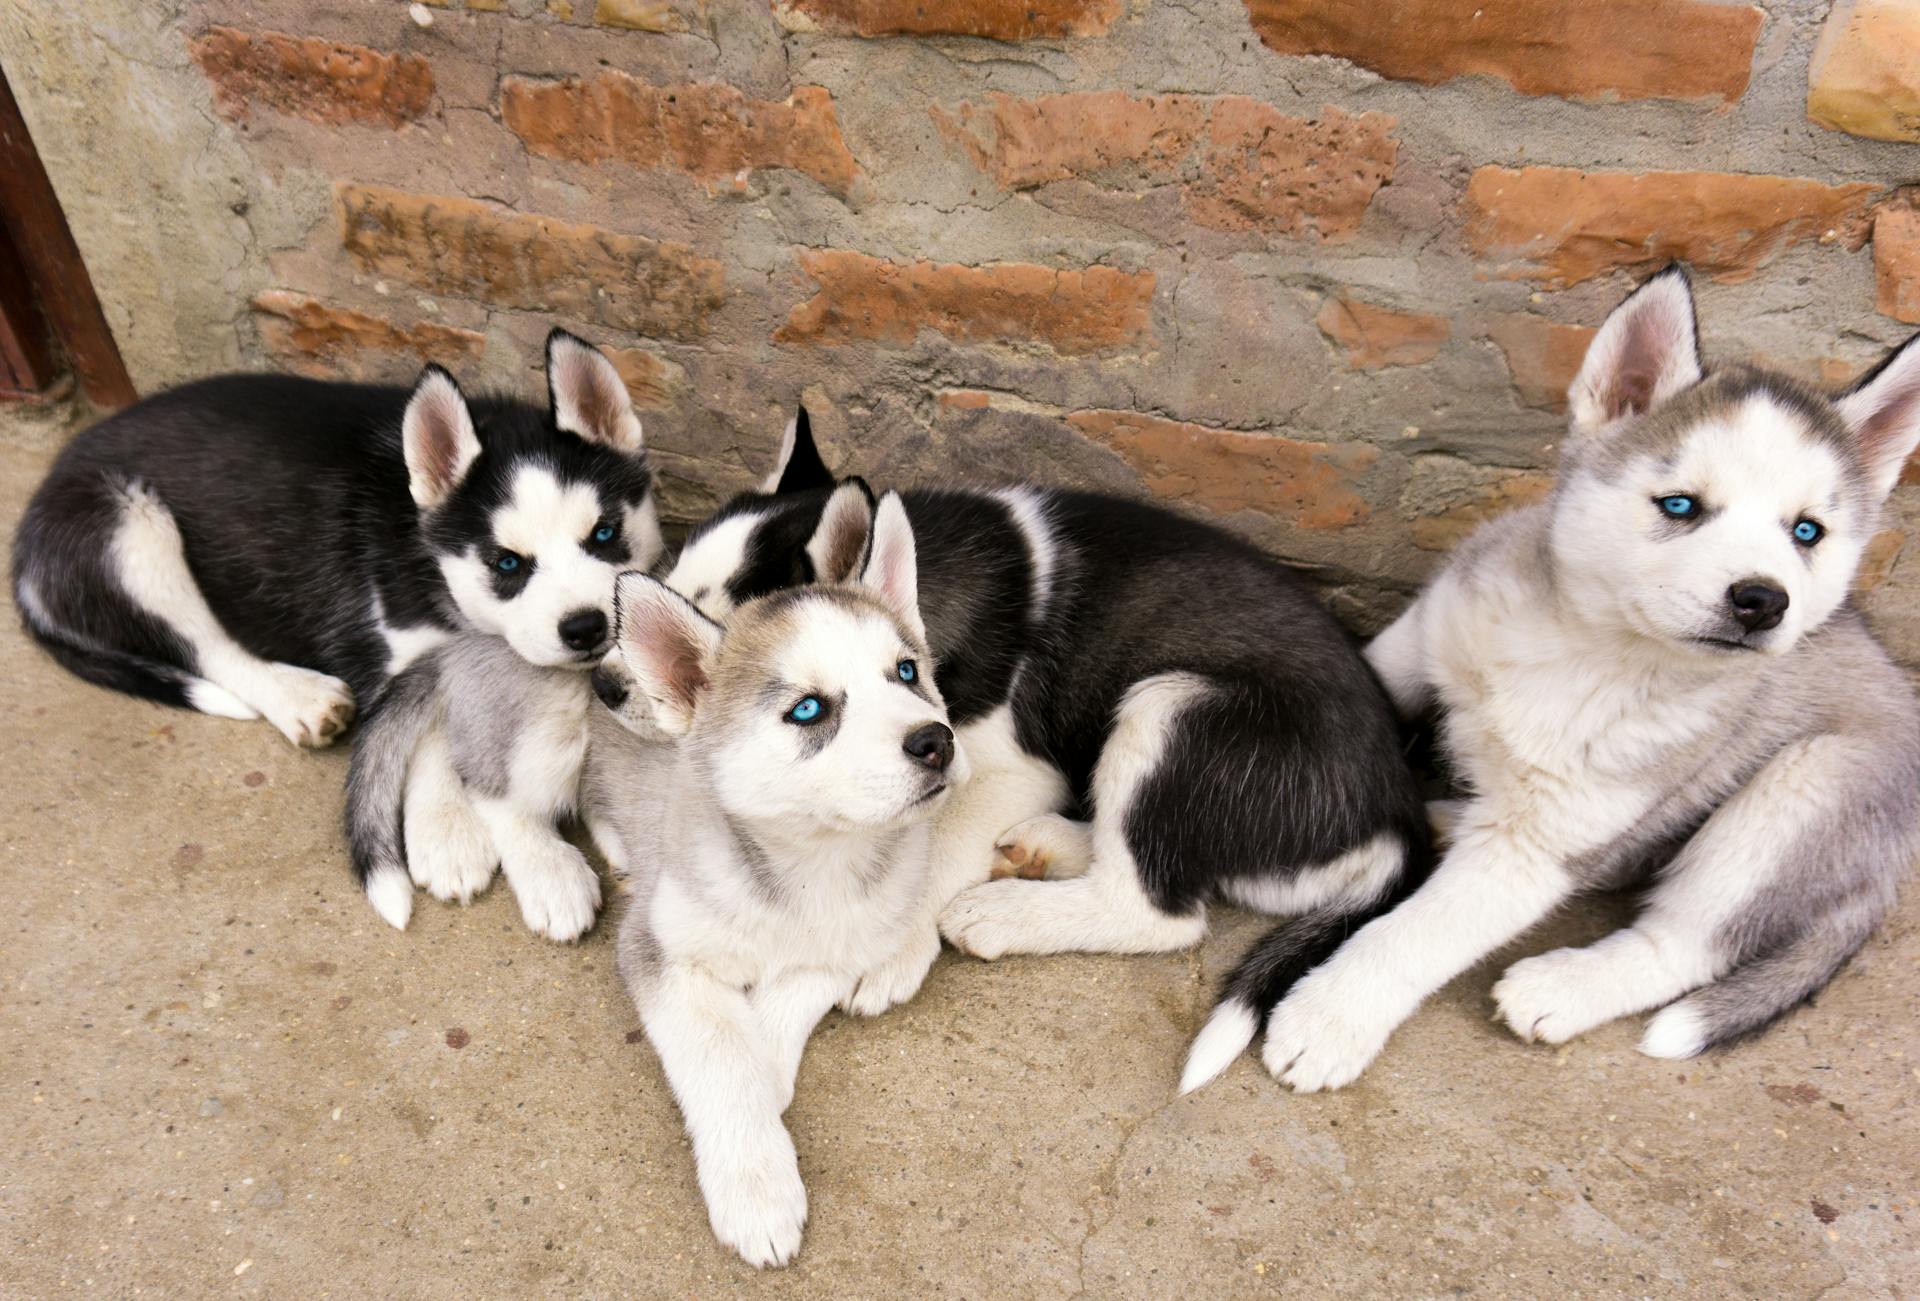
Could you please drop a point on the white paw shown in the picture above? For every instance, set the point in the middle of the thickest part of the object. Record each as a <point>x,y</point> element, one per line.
<point>1320,1037</point>
<point>1042,848</point>
<point>1674,1032</point>
<point>558,892</point>
<point>449,853</point>
<point>896,980</point>
<point>310,709</point>
<point>755,1199</point>
<point>1552,997</point>
<point>989,920</point>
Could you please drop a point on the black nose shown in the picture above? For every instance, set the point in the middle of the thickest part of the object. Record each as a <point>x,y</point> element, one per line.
<point>612,694</point>
<point>1757,603</point>
<point>584,630</point>
<point>931,744</point>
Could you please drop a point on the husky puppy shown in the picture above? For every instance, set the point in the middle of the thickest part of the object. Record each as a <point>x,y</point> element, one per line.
<point>1654,679</point>
<point>1158,715</point>
<point>783,826</point>
<point>263,545</point>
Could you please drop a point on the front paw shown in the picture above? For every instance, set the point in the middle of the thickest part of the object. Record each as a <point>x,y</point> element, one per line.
<point>449,853</point>
<point>1322,1036</point>
<point>310,709</point>
<point>557,890</point>
<point>987,921</point>
<point>755,1199</point>
<point>1047,847</point>
<point>897,979</point>
<point>1550,998</point>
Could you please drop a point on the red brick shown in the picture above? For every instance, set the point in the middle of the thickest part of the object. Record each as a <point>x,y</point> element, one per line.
<point>337,342</point>
<point>1865,74</point>
<point>711,132</point>
<point>863,297</point>
<point>652,380</point>
<point>1373,337</point>
<point>1542,356</point>
<point>1896,263</point>
<point>322,81</point>
<point>1560,226</point>
<point>1582,49</point>
<point>999,20</point>
<point>474,250</point>
<point>1240,164</point>
<point>1225,471</point>
<point>1448,529</point>
<point>639,15</point>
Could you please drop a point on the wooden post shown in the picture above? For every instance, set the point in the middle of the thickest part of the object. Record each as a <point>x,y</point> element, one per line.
<point>36,228</point>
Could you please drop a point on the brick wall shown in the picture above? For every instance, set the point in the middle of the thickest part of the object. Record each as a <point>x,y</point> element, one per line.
<point>1320,270</point>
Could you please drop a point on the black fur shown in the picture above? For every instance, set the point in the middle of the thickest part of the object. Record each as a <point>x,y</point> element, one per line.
<point>291,497</point>
<point>1293,758</point>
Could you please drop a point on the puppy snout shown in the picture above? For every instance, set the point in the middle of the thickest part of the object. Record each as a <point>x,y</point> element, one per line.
<point>1758,603</point>
<point>930,744</point>
<point>612,692</point>
<point>584,630</point>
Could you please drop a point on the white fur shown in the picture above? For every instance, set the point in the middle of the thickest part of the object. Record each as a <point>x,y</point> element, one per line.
<point>558,892</point>
<point>391,895</point>
<point>150,561</point>
<point>1057,845</point>
<point>1673,1033</point>
<point>404,645</point>
<point>437,438</point>
<point>701,570</point>
<point>1219,1044</point>
<point>1353,879</point>
<point>449,851</point>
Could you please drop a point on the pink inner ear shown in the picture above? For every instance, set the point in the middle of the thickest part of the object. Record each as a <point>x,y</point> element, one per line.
<point>671,655</point>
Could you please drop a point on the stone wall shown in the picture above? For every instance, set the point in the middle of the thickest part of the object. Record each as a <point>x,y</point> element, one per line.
<point>1319,269</point>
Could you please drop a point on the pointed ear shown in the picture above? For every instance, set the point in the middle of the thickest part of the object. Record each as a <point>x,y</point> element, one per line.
<point>437,438</point>
<point>839,541</point>
<point>589,398</point>
<point>668,646</point>
<point>892,572</point>
<point>1883,410</point>
<point>799,467</point>
<point>1647,351</point>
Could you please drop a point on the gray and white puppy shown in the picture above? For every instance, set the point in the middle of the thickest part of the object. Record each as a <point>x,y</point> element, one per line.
<point>1654,679</point>
<point>777,842</point>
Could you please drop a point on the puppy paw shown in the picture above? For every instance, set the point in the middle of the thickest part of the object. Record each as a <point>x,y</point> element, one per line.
<point>310,709</point>
<point>896,980</point>
<point>449,854</point>
<point>1320,1038</point>
<point>755,1199</point>
<point>1048,846</point>
<point>557,891</point>
<point>988,921</point>
<point>1552,997</point>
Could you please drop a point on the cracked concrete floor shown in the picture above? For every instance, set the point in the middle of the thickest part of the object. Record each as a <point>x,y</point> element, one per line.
<point>221,1074</point>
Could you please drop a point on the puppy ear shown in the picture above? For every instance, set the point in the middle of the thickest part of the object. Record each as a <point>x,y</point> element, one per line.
<point>1647,351</point>
<point>798,467</point>
<point>436,438</point>
<point>891,571</point>
<point>589,398</point>
<point>668,646</point>
<point>839,541</point>
<point>1883,410</point>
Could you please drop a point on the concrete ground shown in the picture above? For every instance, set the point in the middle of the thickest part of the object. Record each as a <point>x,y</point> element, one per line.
<point>221,1074</point>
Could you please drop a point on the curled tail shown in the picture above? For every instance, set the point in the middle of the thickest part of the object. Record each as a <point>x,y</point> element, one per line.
<point>1753,995</point>
<point>377,787</point>
<point>1279,958</point>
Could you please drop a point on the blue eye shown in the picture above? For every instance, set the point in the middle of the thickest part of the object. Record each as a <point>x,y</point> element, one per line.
<point>807,711</point>
<point>907,670</point>
<point>1807,532</point>
<point>507,563</point>
<point>1679,506</point>
<point>605,533</point>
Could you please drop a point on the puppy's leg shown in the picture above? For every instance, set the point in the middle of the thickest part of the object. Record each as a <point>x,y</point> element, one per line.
<point>722,1069</point>
<point>1490,887</point>
<point>789,1006</point>
<point>1399,656</point>
<point>898,978</point>
<point>449,852</point>
<point>558,892</point>
<point>150,562</point>
<point>1109,908</point>
<point>1051,847</point>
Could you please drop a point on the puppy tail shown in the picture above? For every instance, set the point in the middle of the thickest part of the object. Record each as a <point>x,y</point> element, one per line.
<point>1283,955</point>
<point>377,787</point>
<point>1753,995</point>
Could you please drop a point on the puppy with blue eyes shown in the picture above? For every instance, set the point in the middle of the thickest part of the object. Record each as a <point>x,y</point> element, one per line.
<point>1656,681</point>
<point>767,788</point>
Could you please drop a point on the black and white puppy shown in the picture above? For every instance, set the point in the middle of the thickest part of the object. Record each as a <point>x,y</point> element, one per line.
<point>1158,715</point>
<point>261,545</point>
